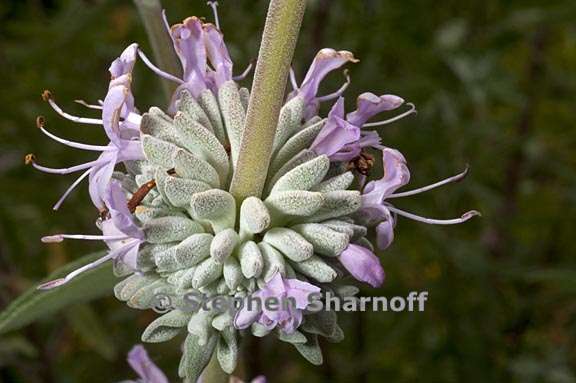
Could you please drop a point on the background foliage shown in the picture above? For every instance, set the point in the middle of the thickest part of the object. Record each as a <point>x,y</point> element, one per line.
<point>494,82</point>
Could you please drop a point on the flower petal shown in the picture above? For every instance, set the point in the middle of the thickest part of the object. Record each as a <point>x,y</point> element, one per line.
<point>396,175</point>
<point>336,132</point>
<point>141,363</point>
<point>363,264</point>
<point>369,105</point>
<point>326,60</point>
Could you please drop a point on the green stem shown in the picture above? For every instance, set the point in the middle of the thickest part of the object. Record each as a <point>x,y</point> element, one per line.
<point>162,47</point>
<point>276,51</point>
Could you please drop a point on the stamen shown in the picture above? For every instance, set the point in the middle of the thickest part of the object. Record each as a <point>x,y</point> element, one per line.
<point>157,70</point>
<point>40,122</point>
<point>47,96</point>
<point>89,106</point>
<point>412,110</point>
<point>61,237</point>
<point>448,180</point>
<point>30,159</point>
<point>214,6</point>
<point>339,92</point>
<point>73,274</point>
<point>293,79</point>
<point>245,73</point>
<point>465,217</point>
<point>70,189</point>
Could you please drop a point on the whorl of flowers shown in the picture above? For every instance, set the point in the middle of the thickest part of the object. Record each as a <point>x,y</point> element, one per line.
<point>172,227</point>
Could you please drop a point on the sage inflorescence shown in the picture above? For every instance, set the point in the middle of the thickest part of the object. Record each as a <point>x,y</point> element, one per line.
<point>173,228</point>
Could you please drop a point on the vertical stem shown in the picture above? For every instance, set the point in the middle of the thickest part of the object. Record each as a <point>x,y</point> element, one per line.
<point>162,47</point>
<point>276,51</point>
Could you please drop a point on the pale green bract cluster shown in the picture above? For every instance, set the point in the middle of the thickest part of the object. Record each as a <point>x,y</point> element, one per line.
<point>199,239</point>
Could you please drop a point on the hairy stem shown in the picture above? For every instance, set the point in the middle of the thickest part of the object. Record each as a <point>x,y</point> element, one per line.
<point>160,41</point>
<point>276,51</point>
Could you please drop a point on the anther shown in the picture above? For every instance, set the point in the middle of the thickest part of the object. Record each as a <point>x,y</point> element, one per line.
<point>47,95</point>
<point>29,159</point>
<point>40,122</point>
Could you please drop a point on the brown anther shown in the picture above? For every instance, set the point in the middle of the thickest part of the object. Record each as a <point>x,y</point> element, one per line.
<point>228,148</point>
<point>362,164</point>
<point>104,214</point>
<point>171,172</point>
<point>29,159</point>
<point>47,95</point>
<point>40,122</point>
<point>140,194</point>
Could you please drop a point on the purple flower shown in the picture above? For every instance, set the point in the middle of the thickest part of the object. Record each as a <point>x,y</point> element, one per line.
<point>190,47</point>
<point>120,233</point>
<point>197,43</point>
<point>218,56</point>
<point>336,133</point>
<point>292,298</point>
<point>363,264</point>
<point>121,124</point>
<point>376,210</point>
<point>145,368</point>
<point>326,61</point>
<point>342,137</point>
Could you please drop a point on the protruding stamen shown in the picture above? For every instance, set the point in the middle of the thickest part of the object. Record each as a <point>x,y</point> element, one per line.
<point>339,92</point>
<point>73,274</point>
<point>412,110</point>
<point>47,96</point>
<point>448,180</point>
<point>30,159</point>
<point>70,189</point>
<point>214,6</point>
<point>87,237</point>
<point>157,70</point>
<point>40,123</point>
<point>293,79</point>
<point>465,217</point>
<point>89,106</point>
<point>245,73</point>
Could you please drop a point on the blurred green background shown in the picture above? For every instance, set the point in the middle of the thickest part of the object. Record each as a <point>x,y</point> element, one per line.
<point>495,86</point>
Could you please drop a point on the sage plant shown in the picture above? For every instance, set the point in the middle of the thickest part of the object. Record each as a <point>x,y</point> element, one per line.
<point>165,184</point>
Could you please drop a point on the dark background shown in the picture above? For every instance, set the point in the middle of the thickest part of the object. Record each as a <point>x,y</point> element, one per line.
<point>494,83</point>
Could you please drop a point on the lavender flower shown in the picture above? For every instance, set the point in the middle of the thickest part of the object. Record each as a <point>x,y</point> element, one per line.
<point>326,61</point>
<point>375,208</point>
<point>145,368</point>
<point>363,264</point>
<point>120,233</point>
<point>342,137</point>
<point>197,43</point>
<point>286,318</point>
<point>120,121</point>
